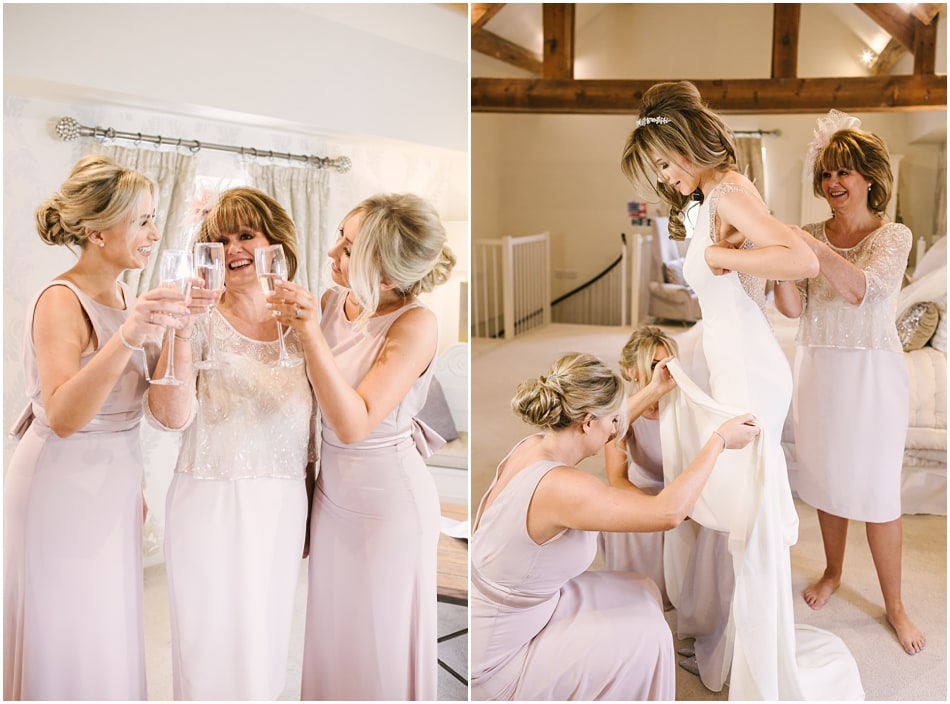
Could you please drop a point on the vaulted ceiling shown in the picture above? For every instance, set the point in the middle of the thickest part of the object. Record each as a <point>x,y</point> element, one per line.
<point>552,87</point>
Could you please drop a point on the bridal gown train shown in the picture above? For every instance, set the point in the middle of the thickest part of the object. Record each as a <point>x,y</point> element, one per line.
<point>748,495</point>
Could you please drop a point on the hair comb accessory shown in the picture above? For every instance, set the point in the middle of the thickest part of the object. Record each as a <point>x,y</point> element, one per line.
<point>834,121</point>
<point>199,205</point>
<point>641,121</point>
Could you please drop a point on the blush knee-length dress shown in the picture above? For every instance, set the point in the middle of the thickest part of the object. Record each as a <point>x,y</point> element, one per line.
<point>851,401</point>
<point>73,626</point>
<point>371,628</point>
<point>544,628</point>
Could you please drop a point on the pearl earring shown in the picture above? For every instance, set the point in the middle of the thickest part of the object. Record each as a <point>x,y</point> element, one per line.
<point>102,244</point>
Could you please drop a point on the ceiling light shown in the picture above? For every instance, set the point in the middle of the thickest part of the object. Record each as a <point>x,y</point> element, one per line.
<point>868,57</point>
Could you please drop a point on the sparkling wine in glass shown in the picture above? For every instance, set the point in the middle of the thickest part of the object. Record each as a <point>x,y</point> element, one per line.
<point>271,265</point>
<point>209,267</point>
<point>175,272</point>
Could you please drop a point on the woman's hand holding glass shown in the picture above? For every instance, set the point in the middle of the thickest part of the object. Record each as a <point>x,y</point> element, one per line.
<point>175,272</point>
<point>209,269</point>
<point>271,265</point>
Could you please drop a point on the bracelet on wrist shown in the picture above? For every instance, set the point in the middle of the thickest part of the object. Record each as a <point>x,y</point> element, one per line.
<point>721,437</point>
<point>128,344</point>
<point>185,339</point>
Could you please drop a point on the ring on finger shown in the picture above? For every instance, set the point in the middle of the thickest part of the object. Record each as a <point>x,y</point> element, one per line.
<point>298,313</point>
<point>151,318</point>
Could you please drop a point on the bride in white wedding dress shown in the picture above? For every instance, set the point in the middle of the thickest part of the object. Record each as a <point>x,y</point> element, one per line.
<point>685,153</point>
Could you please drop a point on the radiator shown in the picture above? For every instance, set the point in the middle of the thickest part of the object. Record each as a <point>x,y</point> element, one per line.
<point>511,288</point>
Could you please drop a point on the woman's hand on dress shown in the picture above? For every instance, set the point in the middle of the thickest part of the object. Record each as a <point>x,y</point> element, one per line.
<point>739,431</point>
<point>154,311</point>
<point>295,307</point>
<point>662,381</point>
<point>813,244</point>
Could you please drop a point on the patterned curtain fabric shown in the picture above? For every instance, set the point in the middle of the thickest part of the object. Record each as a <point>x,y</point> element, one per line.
<point>749,155</point>
<point>174,175</point>
<point>940,202</point>
<point>304,192</point>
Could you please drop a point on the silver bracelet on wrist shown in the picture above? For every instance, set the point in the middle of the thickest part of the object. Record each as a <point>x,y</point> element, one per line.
<point>185,339</point>
<point>128,344</point>
<point>721,437</point>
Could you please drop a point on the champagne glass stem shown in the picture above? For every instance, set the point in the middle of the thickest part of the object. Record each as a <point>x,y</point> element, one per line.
<point>170,369</point>
<point>211,348</point>
<point>280,336</point>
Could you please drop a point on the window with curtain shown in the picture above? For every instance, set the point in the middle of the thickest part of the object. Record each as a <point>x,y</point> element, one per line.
<point>750,158</point>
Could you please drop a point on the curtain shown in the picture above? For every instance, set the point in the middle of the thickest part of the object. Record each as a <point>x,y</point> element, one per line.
<point>304,192</point>
<point>174,176</point>
<point>940,202</point>
<point>751,162</point>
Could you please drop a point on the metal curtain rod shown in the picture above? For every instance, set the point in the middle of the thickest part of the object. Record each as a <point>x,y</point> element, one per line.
<point>757,133</point>
<point>69,129</point>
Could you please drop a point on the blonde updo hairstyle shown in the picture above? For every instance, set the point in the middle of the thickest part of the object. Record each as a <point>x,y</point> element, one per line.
<point>864,152</point>
<point>401,241</point>
<point>693,134</point>
<point>577,387</point>
<point>639,351</point>
<point>97,195</point>
<point>248,208</point>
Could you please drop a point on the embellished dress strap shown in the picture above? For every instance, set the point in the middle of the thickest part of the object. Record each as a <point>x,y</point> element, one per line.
<point>754,286</point>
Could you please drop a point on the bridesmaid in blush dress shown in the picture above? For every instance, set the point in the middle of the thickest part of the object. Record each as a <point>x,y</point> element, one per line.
<point>371,605</point>
<point>73,625</point>
<point>543,627</point>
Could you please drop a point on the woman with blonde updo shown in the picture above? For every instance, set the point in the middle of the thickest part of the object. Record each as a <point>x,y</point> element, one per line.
<point>544,628</point>
<point>636,463</point>
<point>73,508</point>
<point>374,531</point>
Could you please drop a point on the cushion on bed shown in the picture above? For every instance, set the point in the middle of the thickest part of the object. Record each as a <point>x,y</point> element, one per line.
<point>917,325</point>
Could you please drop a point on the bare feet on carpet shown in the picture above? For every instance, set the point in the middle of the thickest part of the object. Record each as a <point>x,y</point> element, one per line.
<point>817,594</point>
<point>908,634</point>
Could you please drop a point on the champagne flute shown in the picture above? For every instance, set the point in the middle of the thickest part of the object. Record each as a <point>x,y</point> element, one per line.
<point>209,267</point>
<point>271,264</point>
<point>175,272</point>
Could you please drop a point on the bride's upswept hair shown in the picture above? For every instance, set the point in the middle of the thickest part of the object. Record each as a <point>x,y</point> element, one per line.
<point>577,386</point>
<point>675,123</point>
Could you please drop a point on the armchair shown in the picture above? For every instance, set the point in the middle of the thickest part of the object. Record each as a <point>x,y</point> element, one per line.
<point>670,297</point>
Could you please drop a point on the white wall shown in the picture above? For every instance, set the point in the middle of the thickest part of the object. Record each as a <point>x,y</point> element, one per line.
<point>560,173</point>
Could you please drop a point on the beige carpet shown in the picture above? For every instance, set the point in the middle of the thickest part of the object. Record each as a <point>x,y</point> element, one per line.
<point>855,613</point>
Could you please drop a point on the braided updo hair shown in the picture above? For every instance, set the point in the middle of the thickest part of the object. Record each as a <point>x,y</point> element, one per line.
<point>675,124</point>
<point>577,385</point>
<point>401,242</point>
<point>98,194</point>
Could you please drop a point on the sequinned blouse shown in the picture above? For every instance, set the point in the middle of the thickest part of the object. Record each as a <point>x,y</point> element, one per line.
<point>251,419</point>
<point>828,320</point>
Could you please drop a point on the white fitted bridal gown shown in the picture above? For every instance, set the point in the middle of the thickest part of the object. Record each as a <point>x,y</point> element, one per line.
<point>748,495</point>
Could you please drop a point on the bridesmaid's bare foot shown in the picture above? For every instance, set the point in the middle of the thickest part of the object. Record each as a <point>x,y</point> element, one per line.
<point>908,634</point>
<point>817,594</point>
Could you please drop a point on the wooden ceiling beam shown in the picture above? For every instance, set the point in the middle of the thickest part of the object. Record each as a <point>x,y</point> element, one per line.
<point>484,42</point>
<point>892,19</point>
<point>752,96</point>
<point>888,58</point>
<point>786,20</point>
<point>482,12</point>
<point>558,23</point>
<point>926,11</point>
<point>925,48</point>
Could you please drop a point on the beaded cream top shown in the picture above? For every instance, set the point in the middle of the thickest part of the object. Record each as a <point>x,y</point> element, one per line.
<point>830,321</point>
<point>252,419</point>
